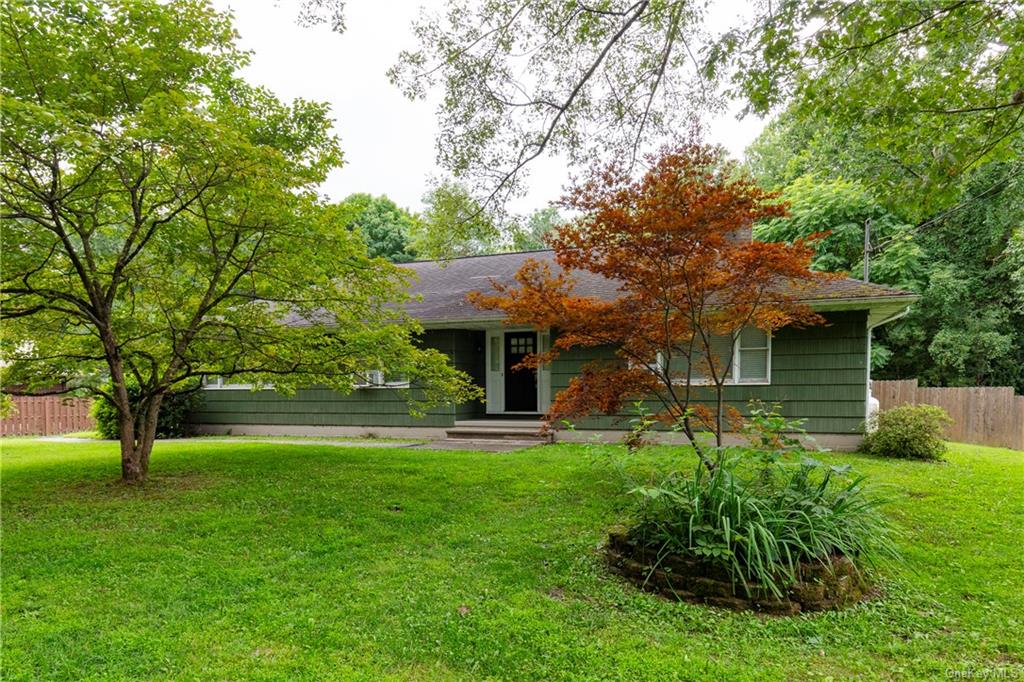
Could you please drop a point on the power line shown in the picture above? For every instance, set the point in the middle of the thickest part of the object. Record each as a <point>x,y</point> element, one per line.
<point>1007,182</point>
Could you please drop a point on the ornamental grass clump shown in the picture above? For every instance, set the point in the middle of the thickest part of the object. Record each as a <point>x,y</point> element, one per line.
<point>763,529</point>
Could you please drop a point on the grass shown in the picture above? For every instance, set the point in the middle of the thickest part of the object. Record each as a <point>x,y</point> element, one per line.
<point>94,435</point>
<point>91,435</point>
<point>271,561</point>
<point>336,439</point>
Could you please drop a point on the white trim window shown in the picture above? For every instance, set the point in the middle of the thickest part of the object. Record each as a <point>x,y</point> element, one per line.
<point>378,378</point>
<point>217,382</point>
<point>751,359</point>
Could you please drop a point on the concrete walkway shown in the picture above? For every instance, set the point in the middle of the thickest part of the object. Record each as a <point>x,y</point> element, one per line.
<point>478,445</point>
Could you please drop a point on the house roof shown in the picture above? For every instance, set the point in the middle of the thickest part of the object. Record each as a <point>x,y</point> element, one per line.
<point>443,287</point>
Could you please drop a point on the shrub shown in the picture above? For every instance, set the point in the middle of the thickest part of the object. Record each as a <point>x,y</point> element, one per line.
<point>760,529</point>
<point>910,431</point>
<point>171,421</point>
<point>771,435</point>
<point>7,406</point>
<point>638,436</point>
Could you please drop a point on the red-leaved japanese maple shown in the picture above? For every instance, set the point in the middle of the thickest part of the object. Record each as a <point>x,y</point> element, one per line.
<point>676,242</point>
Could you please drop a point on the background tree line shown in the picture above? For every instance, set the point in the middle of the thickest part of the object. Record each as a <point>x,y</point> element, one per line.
<point>966,260</point>
<point>451,225</point>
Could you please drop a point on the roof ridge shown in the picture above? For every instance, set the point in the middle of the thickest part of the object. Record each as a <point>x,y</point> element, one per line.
<point>476,255</point>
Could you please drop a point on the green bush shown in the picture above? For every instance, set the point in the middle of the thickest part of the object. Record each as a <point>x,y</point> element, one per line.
<point>171,421</point>
<point>760,528</point>
<point>7,406</point>
<point>909,431</point>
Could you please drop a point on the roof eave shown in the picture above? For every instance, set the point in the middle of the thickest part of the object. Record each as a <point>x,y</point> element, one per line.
<point>879,307</point>
<point>861,302</point>
<point>463,323</point>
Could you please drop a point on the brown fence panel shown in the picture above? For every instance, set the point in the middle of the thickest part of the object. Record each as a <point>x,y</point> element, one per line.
<point>988,415</point>
<point>45,415</point>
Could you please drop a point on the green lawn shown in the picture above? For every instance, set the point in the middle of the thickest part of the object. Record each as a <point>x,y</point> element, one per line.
<point>270,561</point>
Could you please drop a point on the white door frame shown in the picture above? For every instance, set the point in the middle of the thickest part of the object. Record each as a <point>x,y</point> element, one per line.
<point>494,364</point>
<point>495,374</point>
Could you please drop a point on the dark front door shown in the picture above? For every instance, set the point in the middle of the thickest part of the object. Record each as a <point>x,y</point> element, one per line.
<point>520,384</point>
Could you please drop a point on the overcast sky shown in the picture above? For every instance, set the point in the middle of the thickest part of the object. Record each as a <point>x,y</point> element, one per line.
<point>388,140</point>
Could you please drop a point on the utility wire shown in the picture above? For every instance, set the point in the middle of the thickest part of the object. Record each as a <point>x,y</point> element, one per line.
<point>1007,182</point>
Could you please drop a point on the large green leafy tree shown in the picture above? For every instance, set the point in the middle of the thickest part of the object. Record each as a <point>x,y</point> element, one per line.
<point>534,231</point>
<point>968,328</point>
<point>160,221</point>
<point>384,225</point>
<point>792,145</point>
<point>843,209</point>
<point>932,87</point>
<point>965,260</point>
<point>1015,263</point>
<point>454,224</point>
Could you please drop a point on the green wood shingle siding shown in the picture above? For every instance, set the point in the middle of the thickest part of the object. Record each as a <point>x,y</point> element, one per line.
<point>818,373</point>
<point>362,407</point>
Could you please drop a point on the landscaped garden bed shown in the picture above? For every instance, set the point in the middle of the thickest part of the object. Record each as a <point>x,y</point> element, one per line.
<point>767,528</point>
<point>821,586</point>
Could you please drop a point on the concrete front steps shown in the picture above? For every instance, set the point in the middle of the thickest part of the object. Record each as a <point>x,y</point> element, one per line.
<point>523,431</point>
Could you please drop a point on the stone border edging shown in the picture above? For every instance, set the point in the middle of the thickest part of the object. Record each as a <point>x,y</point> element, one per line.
<point>822,586</point>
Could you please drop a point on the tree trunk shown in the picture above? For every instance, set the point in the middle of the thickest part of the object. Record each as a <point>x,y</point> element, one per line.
<point>708,463</point>
<point>134,451</point>
<point>719,415</point>
<point>138,432</point>
<point>135,463</point>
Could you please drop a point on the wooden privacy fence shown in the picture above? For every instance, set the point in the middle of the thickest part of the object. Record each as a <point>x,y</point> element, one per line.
<point>987,415</point>
<point>44,415</point>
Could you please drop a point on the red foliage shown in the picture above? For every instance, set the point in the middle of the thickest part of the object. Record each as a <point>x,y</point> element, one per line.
<point>676,241</point>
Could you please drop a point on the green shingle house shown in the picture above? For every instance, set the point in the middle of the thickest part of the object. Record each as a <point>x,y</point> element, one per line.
<point>820,374</point>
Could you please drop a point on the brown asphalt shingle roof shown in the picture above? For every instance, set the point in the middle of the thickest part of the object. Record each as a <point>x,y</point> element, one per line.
<point>444,286</point>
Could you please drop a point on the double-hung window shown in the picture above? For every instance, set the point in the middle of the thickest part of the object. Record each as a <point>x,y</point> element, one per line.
<point>753,356</point>
<point>743,359</point>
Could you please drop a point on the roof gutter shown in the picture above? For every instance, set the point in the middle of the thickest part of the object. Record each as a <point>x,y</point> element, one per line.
<point>895,316</point>
<point>863,302</point>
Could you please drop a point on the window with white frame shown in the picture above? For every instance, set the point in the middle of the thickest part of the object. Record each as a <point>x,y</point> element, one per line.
<point>377,378</point>
<point>753,356</point>
<point>743,359</point>
<point>495,353</point>
<point>215,381</point>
